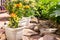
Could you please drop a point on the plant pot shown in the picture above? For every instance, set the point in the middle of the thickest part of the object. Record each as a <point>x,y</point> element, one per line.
<point>14,33</point>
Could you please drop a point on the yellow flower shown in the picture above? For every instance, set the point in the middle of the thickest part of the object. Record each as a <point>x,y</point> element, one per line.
<point>18,5</point>
<point>14,5</point>
<point>13,15</point>
<point>26,0</point>
<point>13,0</point>
<point>27,7</point>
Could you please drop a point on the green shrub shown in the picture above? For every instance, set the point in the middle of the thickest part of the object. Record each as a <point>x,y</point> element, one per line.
<point>55,16</point>
<point>46,7</point>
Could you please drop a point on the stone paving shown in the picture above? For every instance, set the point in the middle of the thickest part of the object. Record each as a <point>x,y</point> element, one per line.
<point>37,37</point>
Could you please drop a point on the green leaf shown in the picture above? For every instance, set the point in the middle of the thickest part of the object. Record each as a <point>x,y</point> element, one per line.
<point>56,13</point>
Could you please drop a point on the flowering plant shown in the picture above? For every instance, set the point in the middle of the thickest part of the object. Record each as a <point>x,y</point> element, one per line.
<point>18,9</point>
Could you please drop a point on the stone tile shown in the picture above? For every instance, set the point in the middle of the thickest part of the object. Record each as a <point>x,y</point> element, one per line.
<point>48,37</point>
<point>29,32</point>
<point>40,38</point>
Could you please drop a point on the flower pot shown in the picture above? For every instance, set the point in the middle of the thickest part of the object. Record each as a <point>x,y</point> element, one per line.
<point>14,33</point>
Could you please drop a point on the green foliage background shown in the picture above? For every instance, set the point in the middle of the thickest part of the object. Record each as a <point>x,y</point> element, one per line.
<point>46,7</point>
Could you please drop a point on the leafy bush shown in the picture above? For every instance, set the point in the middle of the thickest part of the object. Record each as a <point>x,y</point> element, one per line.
<point>46,7</point>
<point>56,14</point>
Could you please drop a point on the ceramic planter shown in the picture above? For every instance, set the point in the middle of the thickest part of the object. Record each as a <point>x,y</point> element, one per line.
<point>13,33</point>
<point>16,33</point>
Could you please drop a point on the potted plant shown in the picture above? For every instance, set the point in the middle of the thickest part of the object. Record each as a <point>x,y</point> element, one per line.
<point>20,13</point>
